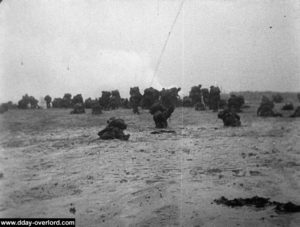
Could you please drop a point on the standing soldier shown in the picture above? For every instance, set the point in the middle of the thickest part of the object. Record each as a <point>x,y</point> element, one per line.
<point>135,99</point>
<point>214,98</point>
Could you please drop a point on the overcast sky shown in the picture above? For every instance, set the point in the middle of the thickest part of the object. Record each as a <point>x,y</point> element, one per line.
<point>86,46</point>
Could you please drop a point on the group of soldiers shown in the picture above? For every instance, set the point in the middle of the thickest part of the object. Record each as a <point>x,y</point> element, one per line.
<point>161,114</point>
<point>162,110</point>
<point>116,126</point>
<point>199,97</point>
<point>161,106</point>
<point>266,109</point>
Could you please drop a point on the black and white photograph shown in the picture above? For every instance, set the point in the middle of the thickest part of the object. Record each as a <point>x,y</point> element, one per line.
<point>150,113</point>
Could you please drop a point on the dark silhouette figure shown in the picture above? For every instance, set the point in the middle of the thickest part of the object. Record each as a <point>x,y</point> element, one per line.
<point>48,100</point>
<point>150,97</point>
<point>77,99</point>
<point>114,130</point>
<point>161,115</point>
<point>57,103</point>
<point>235,103</point>
<point>266,108</point>
<point>230,118</point>
<point>135,99</point>
<point>196,94</point>
<point>104,100</point>
<point>214,98</point>
<point>67,100</point>
<point>89,103</point>
<point>169,97</point>
<point>205,96</point>
<point>115,100</point>
<point>28,102</point>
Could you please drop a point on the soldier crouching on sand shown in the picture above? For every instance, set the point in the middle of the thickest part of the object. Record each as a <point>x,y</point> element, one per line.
<point>161,115</point>
<point>266,108</point>
<point>230,118</point>
<point>114,130</point>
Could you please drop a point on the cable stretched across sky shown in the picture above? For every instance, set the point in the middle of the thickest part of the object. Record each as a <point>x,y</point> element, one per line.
<point>166,41</point>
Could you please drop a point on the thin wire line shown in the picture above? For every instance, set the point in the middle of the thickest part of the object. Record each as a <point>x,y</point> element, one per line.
<point>166,42</point>
<point>182,78</point>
